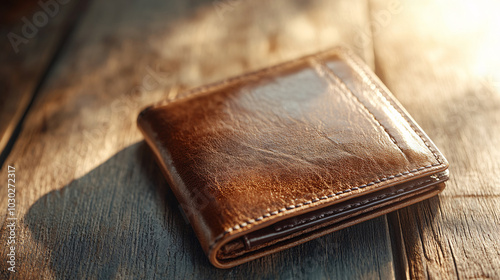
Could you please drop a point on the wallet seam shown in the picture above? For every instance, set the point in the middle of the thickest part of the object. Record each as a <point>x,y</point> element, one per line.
<point>372,83</point>
<point>314,200</point>
<point>368,200</point>
<point>351,205</point>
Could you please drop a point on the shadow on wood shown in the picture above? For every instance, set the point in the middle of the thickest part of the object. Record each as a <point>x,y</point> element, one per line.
<point>122,220</point>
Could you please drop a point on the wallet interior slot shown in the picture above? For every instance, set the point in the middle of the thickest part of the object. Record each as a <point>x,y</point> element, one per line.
<point>304,223</point>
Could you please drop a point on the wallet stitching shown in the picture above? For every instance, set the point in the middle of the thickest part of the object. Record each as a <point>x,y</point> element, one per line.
<point>348,206</point>
<point>376,86</point>
<point>192,93</point>
<point>314,200</point>
<point>339,84</point>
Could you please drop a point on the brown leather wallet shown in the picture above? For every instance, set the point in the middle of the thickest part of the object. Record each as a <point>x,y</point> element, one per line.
<point>271,159</point>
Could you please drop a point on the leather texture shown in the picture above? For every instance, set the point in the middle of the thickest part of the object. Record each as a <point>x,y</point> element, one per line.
<point>266,148</point>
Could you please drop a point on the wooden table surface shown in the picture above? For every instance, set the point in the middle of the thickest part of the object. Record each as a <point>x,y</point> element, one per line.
<point>90,201</point>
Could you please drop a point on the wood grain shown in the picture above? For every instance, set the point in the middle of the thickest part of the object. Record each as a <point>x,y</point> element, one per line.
<point>91,202</point>
<point>440,60</point>
<point>26,53</point>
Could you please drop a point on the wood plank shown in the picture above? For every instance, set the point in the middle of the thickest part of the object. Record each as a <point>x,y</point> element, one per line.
<point>440,59</point>
<point>31,35</point>
<point>91,203</point>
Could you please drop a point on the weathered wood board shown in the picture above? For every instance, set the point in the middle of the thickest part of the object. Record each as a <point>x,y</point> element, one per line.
<point>91,202</point>
<point>31,35</point>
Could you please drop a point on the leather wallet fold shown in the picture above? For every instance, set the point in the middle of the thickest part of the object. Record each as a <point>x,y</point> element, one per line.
<point>271,159</point>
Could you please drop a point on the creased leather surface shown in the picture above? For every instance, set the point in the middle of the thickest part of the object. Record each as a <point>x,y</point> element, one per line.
<point>259,148</point>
